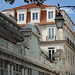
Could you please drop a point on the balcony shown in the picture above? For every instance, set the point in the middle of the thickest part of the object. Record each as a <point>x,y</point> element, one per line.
<point>47,38</point>
<point>8,46</point>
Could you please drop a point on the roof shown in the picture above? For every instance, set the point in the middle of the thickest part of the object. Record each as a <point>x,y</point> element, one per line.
<point>5,17</point>
<point>9,32</point>
<point>41,24</point>
<point>68,17</point>
<point>31,26</point>
<point>32,5</point>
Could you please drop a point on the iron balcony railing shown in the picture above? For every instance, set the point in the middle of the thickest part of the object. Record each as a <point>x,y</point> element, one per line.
<point>47,38</point>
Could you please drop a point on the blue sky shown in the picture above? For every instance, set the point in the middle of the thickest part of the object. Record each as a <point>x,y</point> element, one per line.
<point>17,3</point>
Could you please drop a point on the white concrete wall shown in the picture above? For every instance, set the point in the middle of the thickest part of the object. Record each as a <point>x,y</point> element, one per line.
<point>70,67</point>
<point>12,12</point>
<point>22,11</point>
<point>54,13</point>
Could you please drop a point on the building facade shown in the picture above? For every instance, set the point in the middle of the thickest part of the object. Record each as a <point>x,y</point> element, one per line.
<point>20,52</point>
<point>53,40</point>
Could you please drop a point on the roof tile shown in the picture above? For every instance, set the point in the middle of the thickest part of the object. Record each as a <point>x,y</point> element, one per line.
<point>32,5</point>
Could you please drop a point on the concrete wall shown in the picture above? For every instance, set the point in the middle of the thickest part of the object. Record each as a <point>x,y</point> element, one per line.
<point>34,47</point>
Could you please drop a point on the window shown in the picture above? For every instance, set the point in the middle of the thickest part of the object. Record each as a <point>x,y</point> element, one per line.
<point>35,16</point>
<point>51,34</point>
<point>50,14</point>
<point>21,17</point>
<point>66,53</point>
<point>65,34</point>
<point>51,52</point>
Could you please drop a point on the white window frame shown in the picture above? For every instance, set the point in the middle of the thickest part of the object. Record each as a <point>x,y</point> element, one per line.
<point>50,14</point>
<point>36,16</point>
<point>35,10</point>
<point>21,11</point>
<point>51,33</point>
<point>50,9</point>
<point>51,51</point>
<point>21,17</point>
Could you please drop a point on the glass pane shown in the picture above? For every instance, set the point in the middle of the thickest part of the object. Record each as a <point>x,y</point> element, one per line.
<point>5,64</point>
<point>36,16</point>
<point>14,67</point>
<point>1,63</point>
<point>5,72</point>
<point>17,67</point>
<point>48,15</point>
<point>20,68</point>
<point>22,17</point>
<point>51,14</point>
<point>19,17</point>
<point>49,33</point>
<point>50,54</point>
<point>33,16</point>
<point>52,33</point>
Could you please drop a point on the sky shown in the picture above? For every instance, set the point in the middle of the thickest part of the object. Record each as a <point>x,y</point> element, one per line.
<point>4,5</point>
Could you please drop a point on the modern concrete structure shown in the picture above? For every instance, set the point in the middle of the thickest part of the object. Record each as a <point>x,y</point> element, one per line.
<point>53,40</point>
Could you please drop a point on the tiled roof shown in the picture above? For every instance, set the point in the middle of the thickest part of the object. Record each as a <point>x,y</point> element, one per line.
<point>32,5</point>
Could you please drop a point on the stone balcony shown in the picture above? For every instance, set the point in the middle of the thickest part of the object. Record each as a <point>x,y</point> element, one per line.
<point>8,46</point>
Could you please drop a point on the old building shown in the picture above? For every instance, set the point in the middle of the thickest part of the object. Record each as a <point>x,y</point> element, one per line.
<point>53,40</point>
<point>20,52</point>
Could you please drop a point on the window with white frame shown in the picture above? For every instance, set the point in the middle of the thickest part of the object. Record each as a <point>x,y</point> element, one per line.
<point>35,16</point>
<point>51,33</point>
<point>50,14</point>
<point>51,52</point>
<point>21,17</point>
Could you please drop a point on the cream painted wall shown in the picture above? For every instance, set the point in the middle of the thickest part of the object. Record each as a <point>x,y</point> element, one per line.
<point>21,11</point>
<point>12,12</point>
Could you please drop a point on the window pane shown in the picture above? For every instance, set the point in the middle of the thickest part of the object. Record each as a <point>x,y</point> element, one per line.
<point>1,63</point>
<point>51,14</point>
<point>5,72</point>
<point>17,67</point>
<point>19,17</point>
<point>33,16</point>
<point>20,68</point>
<point>52,33</point>
<point>50,54</point>
<point>5,64</point>
<point>49,33</point>
<point>36,16</point>
<point>14,67</point>
<point>22,17</point>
